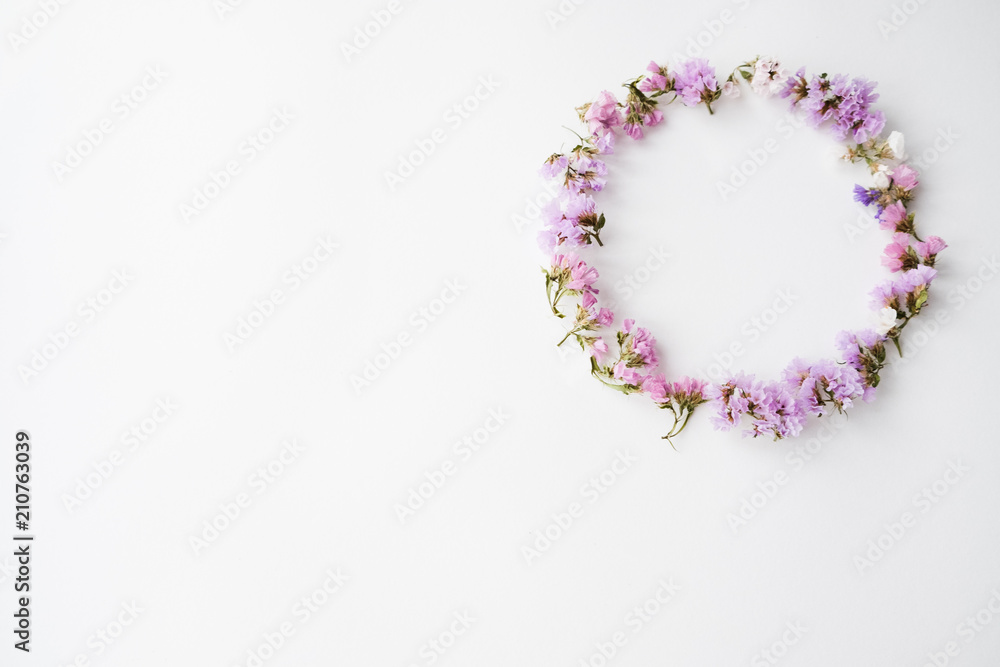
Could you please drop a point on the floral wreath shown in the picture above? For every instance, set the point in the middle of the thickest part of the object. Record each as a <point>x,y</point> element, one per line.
<point>776,408</point>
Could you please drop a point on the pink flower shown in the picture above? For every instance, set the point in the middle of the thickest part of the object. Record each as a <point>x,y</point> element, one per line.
<point>656,387</point>
<point>904,177</point>
<point>627,326</point>
<point>892,215</point>
<point>895,252</point>
<point>588,300</point>
<point>603,113</point>
<point>655,81</point>
<point>688,387</point>
<point>626,374</point>
<point>605,317</point>
<point>929,248</point>
<point>583,276</point>
<point>633,130</point>
<point>598,348</point>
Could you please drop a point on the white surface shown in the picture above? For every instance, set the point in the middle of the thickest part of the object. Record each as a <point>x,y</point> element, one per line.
<point>665,518</point>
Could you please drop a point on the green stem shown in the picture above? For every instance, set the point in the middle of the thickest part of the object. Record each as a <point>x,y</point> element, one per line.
<point>895,342</point>
<point>572,331</point>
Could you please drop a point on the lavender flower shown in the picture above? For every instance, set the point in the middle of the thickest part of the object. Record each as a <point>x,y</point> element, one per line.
<point>694,82</point>
<point>554,166</point>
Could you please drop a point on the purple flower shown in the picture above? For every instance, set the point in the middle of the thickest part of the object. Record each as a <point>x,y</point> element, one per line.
<point>884,295</point>
<point>604,143</point>
<point>694,81</point>
<point>729,401</point>
<point>864,351</point>
<point>865,196</point>
<point>773,407</point>
<point>775,411</point>
<point>590,174</point>
<point>822,383</point>
<point>796,87</point>
<point>917,279</point>
<point>562,220</point>
<point>853,113</point>
<point>846,103</point>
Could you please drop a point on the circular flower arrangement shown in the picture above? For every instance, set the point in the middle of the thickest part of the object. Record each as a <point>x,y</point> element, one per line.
<point>625,358</point>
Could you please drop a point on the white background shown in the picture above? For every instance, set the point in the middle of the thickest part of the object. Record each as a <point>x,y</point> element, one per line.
<point>125,537</point>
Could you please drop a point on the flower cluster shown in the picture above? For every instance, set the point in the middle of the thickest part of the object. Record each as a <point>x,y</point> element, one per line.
<point>845,102</point>
<point>766,77</point>
<point>631,363</point>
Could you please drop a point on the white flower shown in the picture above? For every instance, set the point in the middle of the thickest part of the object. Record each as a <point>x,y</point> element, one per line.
<point>730,89</point>
<point>768,77</point>
<point>896,144</point>
<point>884,320</point>
<point>881,177</point>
